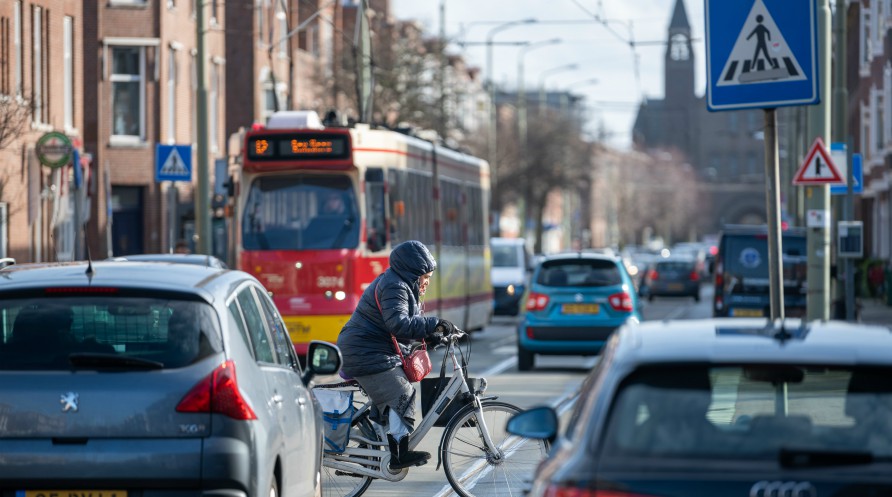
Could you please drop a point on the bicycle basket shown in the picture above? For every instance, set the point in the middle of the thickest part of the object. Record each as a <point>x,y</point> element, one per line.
<point>337,413</point>
<point>430,390</point>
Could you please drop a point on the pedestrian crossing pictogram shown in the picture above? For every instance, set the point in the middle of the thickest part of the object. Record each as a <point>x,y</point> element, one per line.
<point>760,54</point>
<point>173,163</point>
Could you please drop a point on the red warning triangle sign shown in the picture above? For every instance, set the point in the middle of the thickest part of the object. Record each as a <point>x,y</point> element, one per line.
<point>818,168</point>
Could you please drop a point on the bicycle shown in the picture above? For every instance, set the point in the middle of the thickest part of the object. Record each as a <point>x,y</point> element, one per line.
<point>478,456</point>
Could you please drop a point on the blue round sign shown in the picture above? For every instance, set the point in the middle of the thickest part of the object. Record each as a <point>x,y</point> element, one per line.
<point>750,258</point>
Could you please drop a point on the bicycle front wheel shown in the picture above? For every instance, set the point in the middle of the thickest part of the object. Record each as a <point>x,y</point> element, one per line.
<point>337,483</point>
<point>475,471</point>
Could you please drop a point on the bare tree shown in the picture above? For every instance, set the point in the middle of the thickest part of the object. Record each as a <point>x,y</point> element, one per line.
<point>13,117</point>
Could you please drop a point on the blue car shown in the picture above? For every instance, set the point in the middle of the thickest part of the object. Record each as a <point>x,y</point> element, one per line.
<point>573,305</point>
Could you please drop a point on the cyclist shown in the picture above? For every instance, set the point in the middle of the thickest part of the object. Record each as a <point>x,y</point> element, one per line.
<point>392,305</point>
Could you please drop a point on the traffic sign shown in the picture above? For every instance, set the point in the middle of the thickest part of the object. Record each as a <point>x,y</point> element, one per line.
<point>857,178</point>
<point>761,54</point>
<point>817,168</point>
<point>173,162</point>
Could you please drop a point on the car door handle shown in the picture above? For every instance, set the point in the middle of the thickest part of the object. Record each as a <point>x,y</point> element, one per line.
<point>277,399</point>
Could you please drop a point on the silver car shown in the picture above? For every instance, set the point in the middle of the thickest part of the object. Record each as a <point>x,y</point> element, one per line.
<point>137,379</point>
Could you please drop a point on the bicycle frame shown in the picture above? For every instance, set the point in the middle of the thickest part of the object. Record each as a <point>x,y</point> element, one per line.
<point>357,460</point>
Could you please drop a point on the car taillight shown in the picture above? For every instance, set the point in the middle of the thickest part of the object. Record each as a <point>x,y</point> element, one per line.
<point>653,275</point>
<point>621,301</point>
<point>561,491</point>
<point>218,393</point>
<point>537,301</point>
<point>695,276</point>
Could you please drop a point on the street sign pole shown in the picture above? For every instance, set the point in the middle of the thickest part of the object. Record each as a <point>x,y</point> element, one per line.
<point>772,199</point>
<point>817,197</point>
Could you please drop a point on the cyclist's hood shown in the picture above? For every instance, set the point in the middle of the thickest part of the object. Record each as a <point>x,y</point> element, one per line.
<point>411,259</point>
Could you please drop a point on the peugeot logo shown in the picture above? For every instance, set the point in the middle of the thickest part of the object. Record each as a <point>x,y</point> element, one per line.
<point>69,402</point>
<point>766,488</point>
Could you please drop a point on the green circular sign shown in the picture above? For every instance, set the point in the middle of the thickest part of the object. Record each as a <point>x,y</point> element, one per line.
<point>54,149</point>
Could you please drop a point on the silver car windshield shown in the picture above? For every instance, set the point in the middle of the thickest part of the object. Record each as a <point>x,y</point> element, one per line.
<point>105,332</point>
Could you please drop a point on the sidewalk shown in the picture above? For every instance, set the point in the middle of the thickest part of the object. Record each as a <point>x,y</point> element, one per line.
<point>875,311</point>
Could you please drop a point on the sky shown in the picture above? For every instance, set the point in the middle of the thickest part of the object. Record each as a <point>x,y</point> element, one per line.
<point>598,53</point>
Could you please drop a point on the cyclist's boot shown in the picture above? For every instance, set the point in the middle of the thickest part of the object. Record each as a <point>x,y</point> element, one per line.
<point>400,455</point>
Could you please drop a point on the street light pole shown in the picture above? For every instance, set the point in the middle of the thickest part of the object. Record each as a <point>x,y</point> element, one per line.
<point>493,121</point>
<point>202,197</point>
<point>545,74</point>
<point>521,94</point>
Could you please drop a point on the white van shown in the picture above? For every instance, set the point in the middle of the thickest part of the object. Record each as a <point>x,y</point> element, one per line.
<point>511,265</point>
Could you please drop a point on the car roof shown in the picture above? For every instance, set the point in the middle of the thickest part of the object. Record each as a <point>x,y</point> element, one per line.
<point>187,278</point>
<point>580,255</point>
<point>196,259</point>
<point>740,340</point>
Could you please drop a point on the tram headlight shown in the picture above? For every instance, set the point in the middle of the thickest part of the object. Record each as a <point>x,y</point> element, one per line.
<point>510,290</point>
<point>340,295</point>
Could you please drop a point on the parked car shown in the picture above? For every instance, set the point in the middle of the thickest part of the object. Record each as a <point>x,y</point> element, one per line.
<point>197,259</point>
<point>126,378</point>
<point>741,272</point>
<point>673,277</point>
<point>726,407</point>
<point>511,264</point>
<point>574,303</point>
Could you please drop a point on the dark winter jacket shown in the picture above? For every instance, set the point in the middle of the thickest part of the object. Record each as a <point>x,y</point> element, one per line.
<point>365,341</point>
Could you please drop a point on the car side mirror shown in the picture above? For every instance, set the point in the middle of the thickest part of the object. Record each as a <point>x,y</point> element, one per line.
<point>539,423</point>
<point>323,358</point>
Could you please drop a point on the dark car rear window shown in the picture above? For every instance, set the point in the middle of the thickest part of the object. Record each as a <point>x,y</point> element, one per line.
<point>746,256</point>
<point>750,412</point>
<point>105,331</point>
<point>675,266</point>
<point>579,272</point>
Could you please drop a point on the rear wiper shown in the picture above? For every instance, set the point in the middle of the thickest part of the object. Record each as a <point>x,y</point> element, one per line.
<point>808,458</point>
<point>86,359</point>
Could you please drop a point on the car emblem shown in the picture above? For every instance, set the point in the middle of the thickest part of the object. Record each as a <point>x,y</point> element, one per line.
<point>578,297</point>
<point>766,488</point>
<point>69,402</point>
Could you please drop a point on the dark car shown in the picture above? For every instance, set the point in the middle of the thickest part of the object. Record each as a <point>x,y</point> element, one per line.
<point>673,277</point>
<point>575,301</point>
<point>720,407</point>
<point>195,259</point>
<point>127,379</point>
<point>741,272</point>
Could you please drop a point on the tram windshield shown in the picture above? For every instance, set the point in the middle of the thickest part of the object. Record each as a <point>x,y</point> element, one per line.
<point>300,212</point>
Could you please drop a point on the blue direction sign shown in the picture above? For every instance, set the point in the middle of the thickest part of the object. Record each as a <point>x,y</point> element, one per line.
<point>857,179</point>
<point>761,54</point>
<point>173,163</point>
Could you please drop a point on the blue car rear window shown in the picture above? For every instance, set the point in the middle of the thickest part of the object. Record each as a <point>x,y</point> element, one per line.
<point>577,272</point>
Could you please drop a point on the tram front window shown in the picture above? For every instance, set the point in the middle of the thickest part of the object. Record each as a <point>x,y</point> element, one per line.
<point>301,212</point>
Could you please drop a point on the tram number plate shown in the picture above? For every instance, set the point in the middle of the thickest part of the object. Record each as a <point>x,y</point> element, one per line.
<point>747,313</point>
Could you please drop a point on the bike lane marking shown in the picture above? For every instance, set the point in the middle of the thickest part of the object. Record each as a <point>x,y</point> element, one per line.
<point>562,404</point>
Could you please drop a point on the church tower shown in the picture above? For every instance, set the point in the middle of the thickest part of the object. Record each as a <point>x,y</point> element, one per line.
<point>679,60</point>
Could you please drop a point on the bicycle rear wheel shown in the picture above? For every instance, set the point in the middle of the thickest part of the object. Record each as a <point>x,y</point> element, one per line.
<point>472,470</point>
<point>337,483</point>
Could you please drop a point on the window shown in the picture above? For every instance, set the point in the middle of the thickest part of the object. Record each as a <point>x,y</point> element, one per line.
<point>128,69</point>
<point>260,341</point>
<point>238,321</point>
<point>37,61</point>
<point>214,108</point>
<point>279,39</point>
<point>17,46</point>
<point>283,345</point>
<point>68,71</point>
<point>864,41</point>
<point>376,218</point>
<point>172,96</point>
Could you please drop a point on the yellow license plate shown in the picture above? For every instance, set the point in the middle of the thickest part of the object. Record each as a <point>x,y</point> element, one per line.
<point>580,309</point>
<point>74,493</point>
<point>747,313</point>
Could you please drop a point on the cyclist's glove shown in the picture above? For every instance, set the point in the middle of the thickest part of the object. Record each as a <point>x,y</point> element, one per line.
<point>435,339</point>
<point>445,327</point>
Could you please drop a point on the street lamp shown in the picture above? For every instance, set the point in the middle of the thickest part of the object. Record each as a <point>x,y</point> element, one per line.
<point>545,74</point>
<point>493,130</point>
<point>565,96</point>
<point>521,94</point>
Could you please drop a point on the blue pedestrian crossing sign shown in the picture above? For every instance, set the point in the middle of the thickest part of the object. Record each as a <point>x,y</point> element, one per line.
<point>857,179</point>
<point>173,162</point>
<point>761,54</point>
